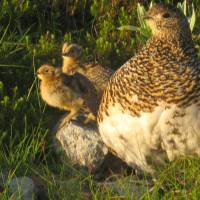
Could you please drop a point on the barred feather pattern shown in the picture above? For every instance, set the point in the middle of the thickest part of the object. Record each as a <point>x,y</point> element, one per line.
<point>150,110</point>
<point>161,72</point>
<point>98,75</point>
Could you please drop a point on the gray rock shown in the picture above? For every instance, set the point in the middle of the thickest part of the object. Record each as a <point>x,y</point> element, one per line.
<point>22,188</point>
<point>82,145</point>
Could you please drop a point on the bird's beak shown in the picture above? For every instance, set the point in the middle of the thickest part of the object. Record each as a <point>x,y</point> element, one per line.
<point>65,54</point>
<point>37,73</point>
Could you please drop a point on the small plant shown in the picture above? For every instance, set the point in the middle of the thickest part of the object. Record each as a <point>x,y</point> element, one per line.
<point>188,11</point>
<point>143,28</point>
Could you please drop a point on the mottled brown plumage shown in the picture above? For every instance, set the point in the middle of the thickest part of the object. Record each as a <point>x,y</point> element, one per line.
<point>72,63</point>
<point>150,110</point>
<point>69,93</point>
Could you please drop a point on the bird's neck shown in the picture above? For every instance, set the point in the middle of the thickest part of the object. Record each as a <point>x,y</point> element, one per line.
<point>49,82</point>
<point>72,63</point>
<point>182,44</point>
<point>69,61</point>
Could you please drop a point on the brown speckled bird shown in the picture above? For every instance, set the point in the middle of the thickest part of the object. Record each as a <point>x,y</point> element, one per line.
<point>72,63</point>
<point>69,93</point>
<point>150,110</point>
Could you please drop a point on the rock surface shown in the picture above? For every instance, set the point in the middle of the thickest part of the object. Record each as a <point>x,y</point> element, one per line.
<point>82,145</point>
<point>22,188</point>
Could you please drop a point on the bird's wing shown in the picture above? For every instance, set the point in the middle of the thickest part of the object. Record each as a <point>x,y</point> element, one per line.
<point>85,85</point>
<point>82,86</point>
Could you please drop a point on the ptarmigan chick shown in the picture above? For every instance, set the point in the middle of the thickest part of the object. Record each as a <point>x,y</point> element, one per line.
<point>72,63</point>
<point>150,110</point>
<point>67,92</point>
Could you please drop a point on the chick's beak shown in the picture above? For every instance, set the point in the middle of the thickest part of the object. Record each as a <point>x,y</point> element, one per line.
<point>37,73</point>
<point>65,54</point>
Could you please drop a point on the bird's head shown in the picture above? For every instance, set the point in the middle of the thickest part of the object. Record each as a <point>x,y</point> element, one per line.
<point>166,20</point>
<point>48,72</point>
<point>71,54</point>
<point>71,50</point>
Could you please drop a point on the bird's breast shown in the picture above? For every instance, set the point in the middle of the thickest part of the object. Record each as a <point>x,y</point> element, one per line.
<point>173,130</point>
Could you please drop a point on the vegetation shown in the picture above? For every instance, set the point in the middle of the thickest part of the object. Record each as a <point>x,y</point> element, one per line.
<point>32,33</point>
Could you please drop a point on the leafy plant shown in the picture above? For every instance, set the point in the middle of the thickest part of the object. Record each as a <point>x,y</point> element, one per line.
<point>143,29</point>
<point>189,11</point>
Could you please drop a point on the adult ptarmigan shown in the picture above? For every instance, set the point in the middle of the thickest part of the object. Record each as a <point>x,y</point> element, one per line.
<point>150,110</point>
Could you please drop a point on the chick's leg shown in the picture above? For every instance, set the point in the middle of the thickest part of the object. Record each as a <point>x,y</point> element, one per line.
<point>90,117</point>
<point>67,118</point>
<point>74,107</point>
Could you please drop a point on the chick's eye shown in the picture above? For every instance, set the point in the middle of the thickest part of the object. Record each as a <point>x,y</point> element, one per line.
<point>46,70</point>
<point>166,15</point>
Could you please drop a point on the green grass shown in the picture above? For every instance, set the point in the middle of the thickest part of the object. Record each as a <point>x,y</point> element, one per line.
<point>31,34</point>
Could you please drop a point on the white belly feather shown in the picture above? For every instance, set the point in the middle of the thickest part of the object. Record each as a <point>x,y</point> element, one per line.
<point>152,138</point>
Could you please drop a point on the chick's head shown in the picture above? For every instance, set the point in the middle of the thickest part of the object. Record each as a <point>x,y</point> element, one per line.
<point>48,72</point>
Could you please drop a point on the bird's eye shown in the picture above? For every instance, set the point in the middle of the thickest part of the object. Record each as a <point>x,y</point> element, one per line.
<point>46,70</point>
<point>166,15</point>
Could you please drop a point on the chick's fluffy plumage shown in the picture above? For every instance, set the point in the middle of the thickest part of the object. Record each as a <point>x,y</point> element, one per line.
<point>67,92</point>
<point>72,63</point>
